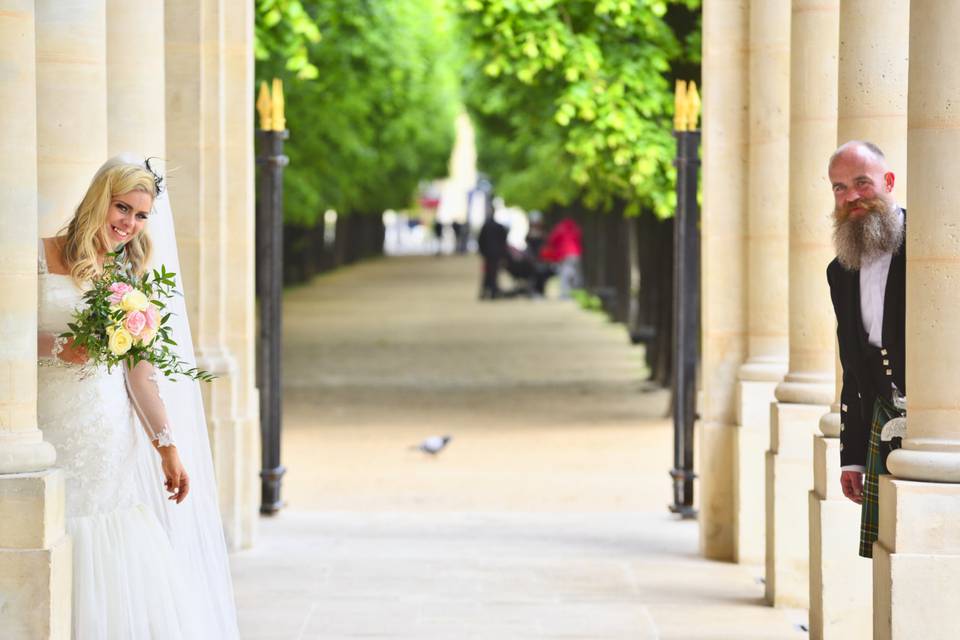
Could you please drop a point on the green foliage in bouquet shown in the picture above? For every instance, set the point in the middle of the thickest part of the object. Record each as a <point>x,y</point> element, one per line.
<point>124,321</point>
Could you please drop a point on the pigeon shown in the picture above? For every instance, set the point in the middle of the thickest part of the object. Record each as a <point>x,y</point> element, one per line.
<point>434,444</point>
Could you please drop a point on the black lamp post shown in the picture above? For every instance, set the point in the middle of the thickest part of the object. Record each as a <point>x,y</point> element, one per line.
<point>686,298</point>
<point>269,248</point>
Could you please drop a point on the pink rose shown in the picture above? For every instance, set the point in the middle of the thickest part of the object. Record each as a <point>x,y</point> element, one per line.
<point>135,322</point>
<point>118,289</point>
<point>147,336</point>
<point>153,317</point>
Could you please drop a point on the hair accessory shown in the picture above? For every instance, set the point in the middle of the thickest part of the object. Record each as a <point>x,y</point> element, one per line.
<point>157,178</point>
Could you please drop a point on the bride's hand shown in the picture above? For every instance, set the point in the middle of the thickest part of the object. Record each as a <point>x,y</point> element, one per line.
<point>70,353</point>
<point>177,481</point>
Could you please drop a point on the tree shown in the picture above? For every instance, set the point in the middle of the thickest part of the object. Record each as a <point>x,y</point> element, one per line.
<point>283,30</point>
<point>377,115</point>
<point>573,99</point>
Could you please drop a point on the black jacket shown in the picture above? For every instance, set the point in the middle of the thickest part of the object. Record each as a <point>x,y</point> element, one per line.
<point>492,241</point>
<point>865,368</point>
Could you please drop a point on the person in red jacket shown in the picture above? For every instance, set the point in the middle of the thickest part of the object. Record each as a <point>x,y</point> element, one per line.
<point>564,247</point>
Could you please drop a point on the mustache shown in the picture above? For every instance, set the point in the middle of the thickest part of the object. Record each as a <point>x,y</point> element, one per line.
<point>876,204</point>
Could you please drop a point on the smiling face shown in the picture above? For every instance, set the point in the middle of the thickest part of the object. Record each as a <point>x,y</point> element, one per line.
<point>127,216</point>
<point>866,220</point>
<point>861,183</point>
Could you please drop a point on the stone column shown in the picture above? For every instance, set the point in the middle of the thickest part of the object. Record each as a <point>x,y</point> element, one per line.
<point>196,146</point>
<point>767,267</point>
<point>135,74</point>
<point>71,105</point>
<point>872,106</point>
<point>241,329</point>
<point>917,556</point>
<point>807,390</point>
<point>724,225</point>
<point>35,554</point>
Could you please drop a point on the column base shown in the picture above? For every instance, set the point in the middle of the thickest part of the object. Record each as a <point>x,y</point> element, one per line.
<point>841,607</point>
<point>224,430</point>
<point>915,463</point>
<point>752,439</point>
<point>217,360</point>
<point>25,452</point>
<point>238,464</point>
<point>916,561</point>
<point>771,369</point>
<point>715,455</point>
<point>249,523</point>
<point>789,464</point>
<point>806,388</point>
<point>36,571</point>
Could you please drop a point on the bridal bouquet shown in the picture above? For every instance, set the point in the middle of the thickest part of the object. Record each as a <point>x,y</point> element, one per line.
<point>124,321</point>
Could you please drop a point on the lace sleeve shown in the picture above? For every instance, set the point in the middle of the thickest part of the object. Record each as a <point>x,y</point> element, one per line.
<point>144,394</point>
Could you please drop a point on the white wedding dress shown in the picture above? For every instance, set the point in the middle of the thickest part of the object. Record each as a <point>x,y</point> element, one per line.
<point>130,580</point>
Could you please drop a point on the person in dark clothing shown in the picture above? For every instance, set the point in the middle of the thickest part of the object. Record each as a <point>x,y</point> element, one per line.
<point>461,234</point>
<point>535,241</point>
<point>438,235</point>
<point>868,290</point>
<point>492,243</point>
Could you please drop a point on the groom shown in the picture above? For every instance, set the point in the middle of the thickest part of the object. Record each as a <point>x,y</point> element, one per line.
<point>867,287</point>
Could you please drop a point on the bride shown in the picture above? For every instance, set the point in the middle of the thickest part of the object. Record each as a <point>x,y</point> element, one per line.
<point>149,559</point>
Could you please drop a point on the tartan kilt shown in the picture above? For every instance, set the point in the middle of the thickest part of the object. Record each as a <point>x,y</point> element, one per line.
<point>883,411</point>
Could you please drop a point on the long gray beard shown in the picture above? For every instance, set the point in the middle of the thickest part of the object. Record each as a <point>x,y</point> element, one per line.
<point>874,233</point>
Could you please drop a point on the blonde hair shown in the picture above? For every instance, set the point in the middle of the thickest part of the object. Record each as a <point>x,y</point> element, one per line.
<point>84,237</point>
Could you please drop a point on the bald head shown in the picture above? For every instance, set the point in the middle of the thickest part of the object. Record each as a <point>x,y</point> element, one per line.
<point>859,170</point>
<point>861,149</point>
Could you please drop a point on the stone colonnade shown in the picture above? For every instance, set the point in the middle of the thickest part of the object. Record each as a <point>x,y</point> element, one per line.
<point>848,64</point>
<point>81,83</point>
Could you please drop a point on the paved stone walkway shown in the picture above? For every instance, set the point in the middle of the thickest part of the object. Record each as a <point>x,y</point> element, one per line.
<point>546,515</point>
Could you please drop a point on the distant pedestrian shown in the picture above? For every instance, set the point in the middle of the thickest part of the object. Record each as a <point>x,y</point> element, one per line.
<point>438,235</point>
<point>492,244</point>
<point>542,270</point>
<point>461,233</point>
<point>564,247</point>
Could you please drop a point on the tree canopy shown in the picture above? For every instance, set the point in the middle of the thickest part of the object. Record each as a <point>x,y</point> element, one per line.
<point>573,98</point>
<point>372,93</point>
